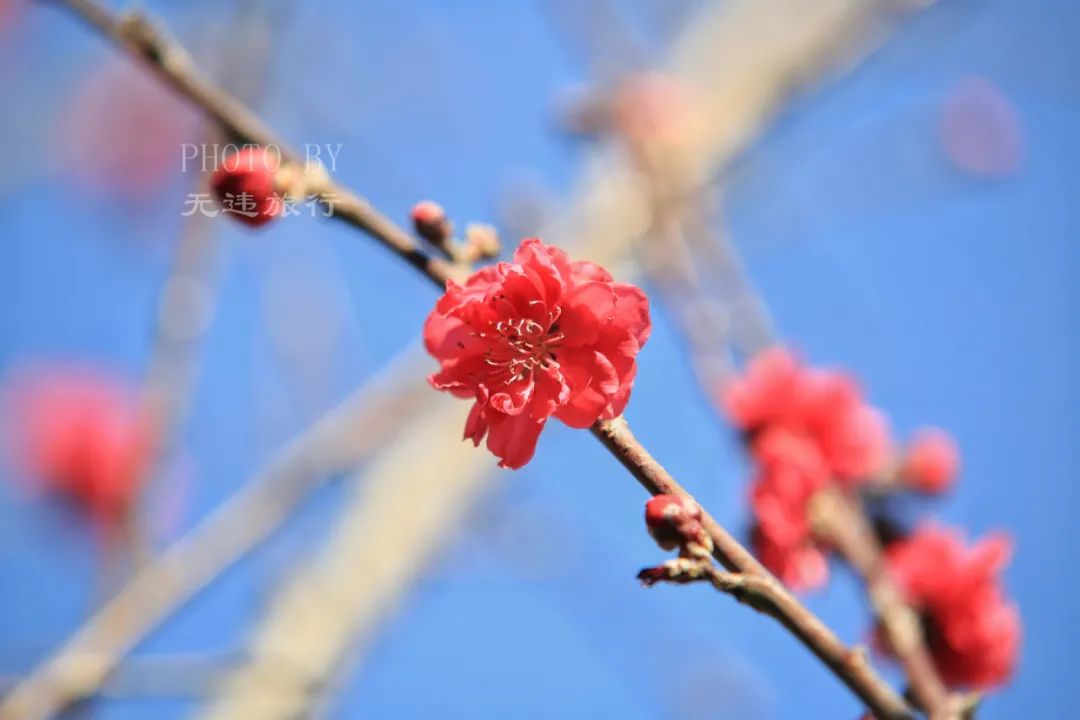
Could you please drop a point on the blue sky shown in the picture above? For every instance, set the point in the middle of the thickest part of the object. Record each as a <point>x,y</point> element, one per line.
<point>953,298</point>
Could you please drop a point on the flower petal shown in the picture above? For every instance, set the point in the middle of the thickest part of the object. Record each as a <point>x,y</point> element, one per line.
<point>476,427</point>
<point>514,440</point>
<point>588,308</point>
<point>514,398</point>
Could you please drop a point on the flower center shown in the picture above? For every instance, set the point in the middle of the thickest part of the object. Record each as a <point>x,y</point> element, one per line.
<point>522,345</point>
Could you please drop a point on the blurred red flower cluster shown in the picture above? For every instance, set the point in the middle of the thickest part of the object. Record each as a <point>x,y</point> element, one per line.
<point>810,430</point>
<point>807,428</point>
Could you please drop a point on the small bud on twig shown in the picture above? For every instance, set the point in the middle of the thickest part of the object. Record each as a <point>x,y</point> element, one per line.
<point>430,221</point>
<point>675,522</point>
<point>245,185</point>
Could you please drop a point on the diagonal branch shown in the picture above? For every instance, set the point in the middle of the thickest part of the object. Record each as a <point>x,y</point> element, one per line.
<point>390,525</point>
<point>172,63</point>
<point>846,663</point>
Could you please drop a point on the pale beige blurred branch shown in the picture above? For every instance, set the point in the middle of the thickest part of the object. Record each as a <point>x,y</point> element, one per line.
<point>411,498</point>
<point>336,443</point>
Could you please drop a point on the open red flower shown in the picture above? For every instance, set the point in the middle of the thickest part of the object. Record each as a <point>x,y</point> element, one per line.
<point>768,391</point>
<point>537,337</point>
<point>825,406</point>
<point>973,631</point>
<point>79,436</point>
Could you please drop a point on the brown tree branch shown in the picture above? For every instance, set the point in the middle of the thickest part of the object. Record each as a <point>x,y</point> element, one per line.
<point>842,522</point>
<point>172,63</point>
<point>849,665</point>
<point>678,219</point>
<point>138,36</point>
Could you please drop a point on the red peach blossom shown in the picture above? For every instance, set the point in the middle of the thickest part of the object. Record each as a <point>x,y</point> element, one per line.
<point>973,632</point>
<point>825,406</point>
<point>791,472</point>
<point>800,567</point>
<point>767,392</point>
<point>930,462</point>
<point>534,338</point>
<point>79,436</point>
<point>853,437</point>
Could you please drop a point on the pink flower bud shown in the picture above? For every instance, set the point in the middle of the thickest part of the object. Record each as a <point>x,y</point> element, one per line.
<point>245,187</point>
<point>430,221</point>
<point>673,521</point>
<point>931,461</point>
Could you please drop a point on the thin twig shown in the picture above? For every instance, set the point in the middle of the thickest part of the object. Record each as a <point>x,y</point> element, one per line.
<point>757,592</point>
<point>171,62</point>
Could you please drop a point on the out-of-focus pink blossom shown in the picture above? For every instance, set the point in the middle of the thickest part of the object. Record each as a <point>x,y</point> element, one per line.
<point>123,132</point>
<point>930,462</point>
<point>980,130</point>
<point>825,406</point>
<point>244,185</point>
<point>652,108</point>
<point>791,471</point>
<point>77,433</point>
<point>973,631</point>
